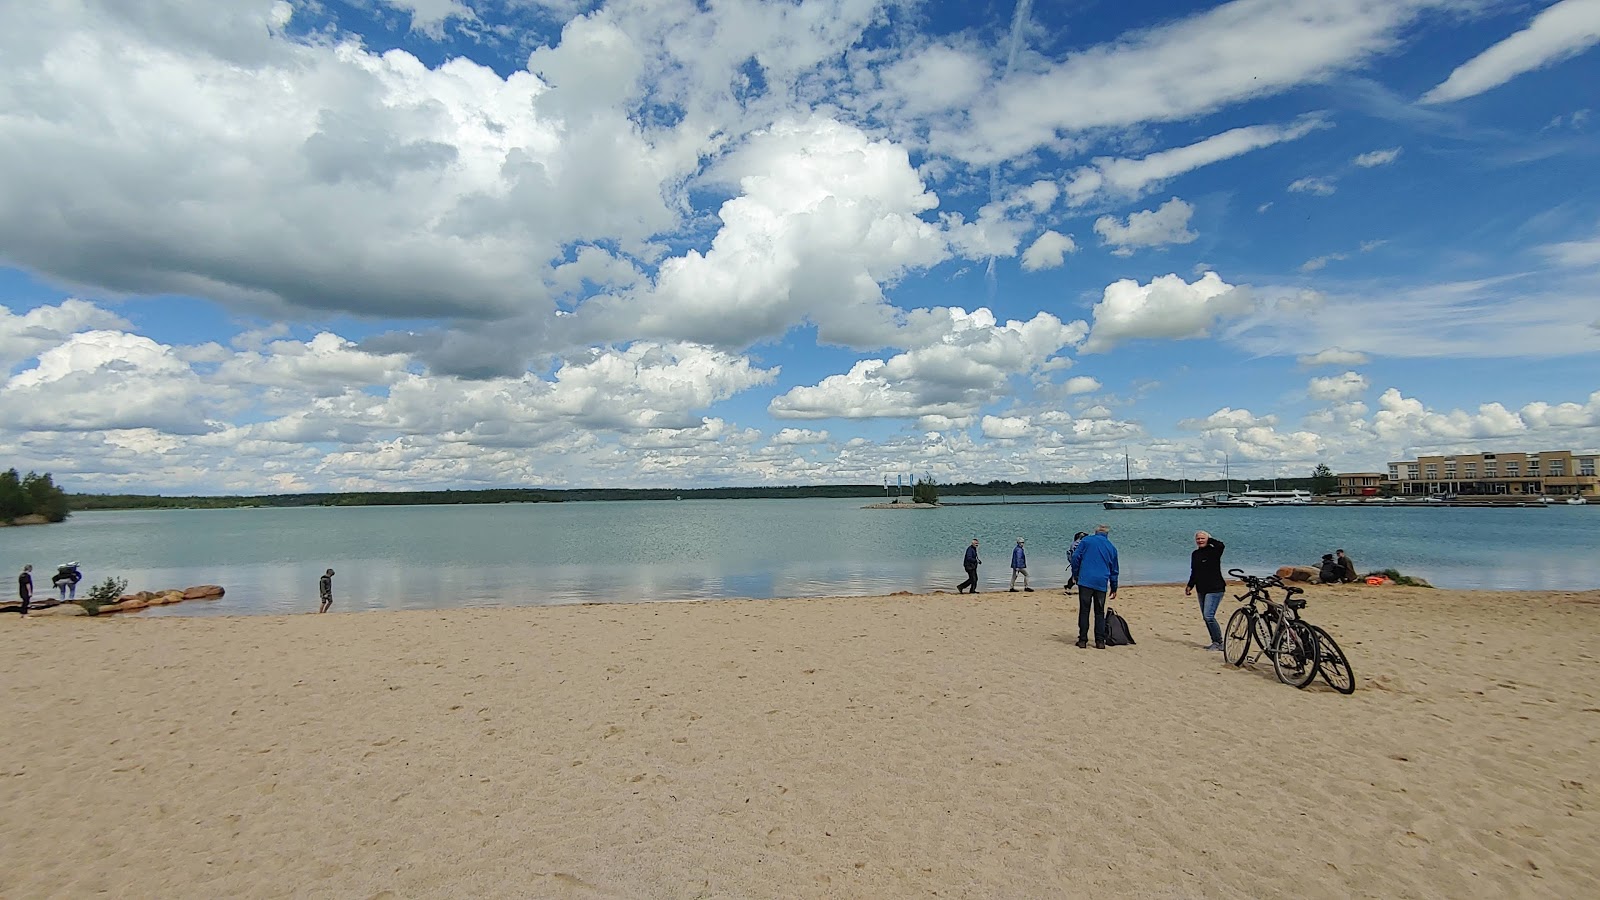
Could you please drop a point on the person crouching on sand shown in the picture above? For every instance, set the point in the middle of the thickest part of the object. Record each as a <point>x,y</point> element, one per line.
<point>970,562</point>
<point>325,590</point>
<point>1019,566</point>
<point>1205,576</point>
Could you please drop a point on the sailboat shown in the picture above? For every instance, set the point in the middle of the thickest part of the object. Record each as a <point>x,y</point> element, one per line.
<point>1128,500</point>
<point>1228,500</point>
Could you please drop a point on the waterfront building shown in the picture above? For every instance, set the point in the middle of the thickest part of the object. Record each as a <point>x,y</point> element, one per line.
<point>1360,484</point>
<point>1551,473</point>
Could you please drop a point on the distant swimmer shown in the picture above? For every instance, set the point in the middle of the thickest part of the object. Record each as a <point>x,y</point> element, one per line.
<point>325,589</point>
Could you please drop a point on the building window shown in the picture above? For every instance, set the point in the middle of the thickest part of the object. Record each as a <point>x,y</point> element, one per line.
<point>1586,468</point>
<point>1433,471</point>
<point>1557,469</point>
<point>1394,473</point>
<point>1513,469</point>
<point>1489,471</point>
<point>1471,470</point>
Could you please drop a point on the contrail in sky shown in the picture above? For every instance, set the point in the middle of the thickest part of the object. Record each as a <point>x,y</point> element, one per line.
<point>1019,23</point>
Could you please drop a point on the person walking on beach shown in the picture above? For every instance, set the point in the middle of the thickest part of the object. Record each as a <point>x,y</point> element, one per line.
<point>25,587</point>
<point>1095,564</point>
<point>970,562</point>
<point>1205,576</point>
<point>325,590</point>
<point>1348,567</point>
<point>66,581</point>
<point>1072,567</point>
<point>1019,566</point>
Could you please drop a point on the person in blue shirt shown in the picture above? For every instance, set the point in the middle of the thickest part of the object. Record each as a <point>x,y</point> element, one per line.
<point>970,562</point>
<point>1019,566</point>
<point>1095,563</point>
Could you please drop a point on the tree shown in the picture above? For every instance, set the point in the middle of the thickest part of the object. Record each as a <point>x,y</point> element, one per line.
<point>44,498</point>
<point>925,491</point>
<point>13,502</point>
<point>1323,481</point>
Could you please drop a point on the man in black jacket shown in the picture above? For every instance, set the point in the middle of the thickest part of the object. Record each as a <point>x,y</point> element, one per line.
<point>970,562</point>
<point>1205,576</point>
<point>25,587</point>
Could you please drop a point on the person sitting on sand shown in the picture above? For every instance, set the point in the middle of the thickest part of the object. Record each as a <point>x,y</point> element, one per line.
<point>970,562</point>
<point>1019,566</point>
<point>325,590</point>
<point>1330,572</point>
<point>1348,567</point>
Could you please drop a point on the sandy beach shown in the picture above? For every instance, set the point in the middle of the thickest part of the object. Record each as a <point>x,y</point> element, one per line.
<point>900,746</point>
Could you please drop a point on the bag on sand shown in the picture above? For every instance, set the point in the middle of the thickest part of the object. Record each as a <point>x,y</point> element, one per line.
<point>1117,634</point>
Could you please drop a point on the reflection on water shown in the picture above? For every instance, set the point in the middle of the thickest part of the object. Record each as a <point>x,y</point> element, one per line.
<point>548,554</point>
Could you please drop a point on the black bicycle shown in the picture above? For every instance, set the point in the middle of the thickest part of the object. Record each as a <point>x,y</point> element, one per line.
<point>1274,627</point>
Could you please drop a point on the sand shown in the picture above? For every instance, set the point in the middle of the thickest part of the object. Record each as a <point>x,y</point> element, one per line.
<point>898,746</point>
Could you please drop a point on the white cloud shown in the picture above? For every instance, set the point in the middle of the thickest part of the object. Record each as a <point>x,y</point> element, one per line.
<point>1081,384</point>
<point>824,217</point>
<point>790,437</point>
<point>1334,356</point>
<point>1238,50</point>
<point>1048,251</point>
<point>1159,227</point>
<point>1374,158</point>
<point>1562,30</point>
<point>1166,308</point>
<point>98,380</point>
<point>429,16</point>
<point>952,375</point>
<point>1574,254</point>
<point>1318,263</point>
<point>1337,388</point>
<point>1130,177</point>
<point>24,337</point>
<point>1322,186</point>
<point>1006,427</point>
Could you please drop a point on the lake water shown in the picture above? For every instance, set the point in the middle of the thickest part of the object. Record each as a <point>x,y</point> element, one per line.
<point>419,557</point>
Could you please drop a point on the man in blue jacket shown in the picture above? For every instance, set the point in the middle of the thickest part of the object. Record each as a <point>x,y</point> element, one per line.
<point>1019,566</point>
<point>1095,562</point>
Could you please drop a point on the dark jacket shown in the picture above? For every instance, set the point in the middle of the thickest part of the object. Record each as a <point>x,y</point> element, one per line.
<point>1349,568</point>
<point>1331,572</point>
<point>1095,561</point>
<point>25,585</point>
<point>1205,568</point>
<point>971,559</point>
<point>1019,560</point>
<point>66,576</point>
<point>325,587</point>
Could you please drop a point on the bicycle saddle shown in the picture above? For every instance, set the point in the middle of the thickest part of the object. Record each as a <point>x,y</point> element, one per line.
<point>1295,603</point>
<point>1292,589</point>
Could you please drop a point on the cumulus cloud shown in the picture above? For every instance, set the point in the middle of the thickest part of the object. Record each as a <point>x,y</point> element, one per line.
<point>1560,31</point>
<point>953,375</point>
<point>1165,225</point>
<point>1081,384</point>
<point>429,16</point>
<point>25,336</point>
<point>1166,308</point>
<point>1337,388</point>
<point>1006,427</point>
<point>790,437</point>
<point>1048,251</point>
<point>825,216</point>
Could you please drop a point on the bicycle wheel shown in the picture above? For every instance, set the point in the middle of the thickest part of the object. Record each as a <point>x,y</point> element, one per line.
<point>1236,638</point>
<point>1295,659</point>
<point>1333,664</point>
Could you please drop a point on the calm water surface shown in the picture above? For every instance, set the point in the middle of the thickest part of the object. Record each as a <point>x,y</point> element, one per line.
<point>419,557</point>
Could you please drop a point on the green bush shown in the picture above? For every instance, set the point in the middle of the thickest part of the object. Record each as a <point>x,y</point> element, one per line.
<point>108,591</point>
<point>925,491</point>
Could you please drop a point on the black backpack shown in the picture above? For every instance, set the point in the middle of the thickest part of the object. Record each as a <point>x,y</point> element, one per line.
<point>1117,634</point>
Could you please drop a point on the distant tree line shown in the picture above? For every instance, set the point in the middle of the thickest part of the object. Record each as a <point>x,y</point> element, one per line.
<point>31,495</point>
<point>552,495</point>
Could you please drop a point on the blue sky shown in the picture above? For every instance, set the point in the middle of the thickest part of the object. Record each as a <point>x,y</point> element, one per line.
<point>260,245</point>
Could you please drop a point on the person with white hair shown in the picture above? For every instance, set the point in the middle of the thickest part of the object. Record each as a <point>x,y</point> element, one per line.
<point>1095,562</point>
<point>1019,566</point>
<point>1205,577</point>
